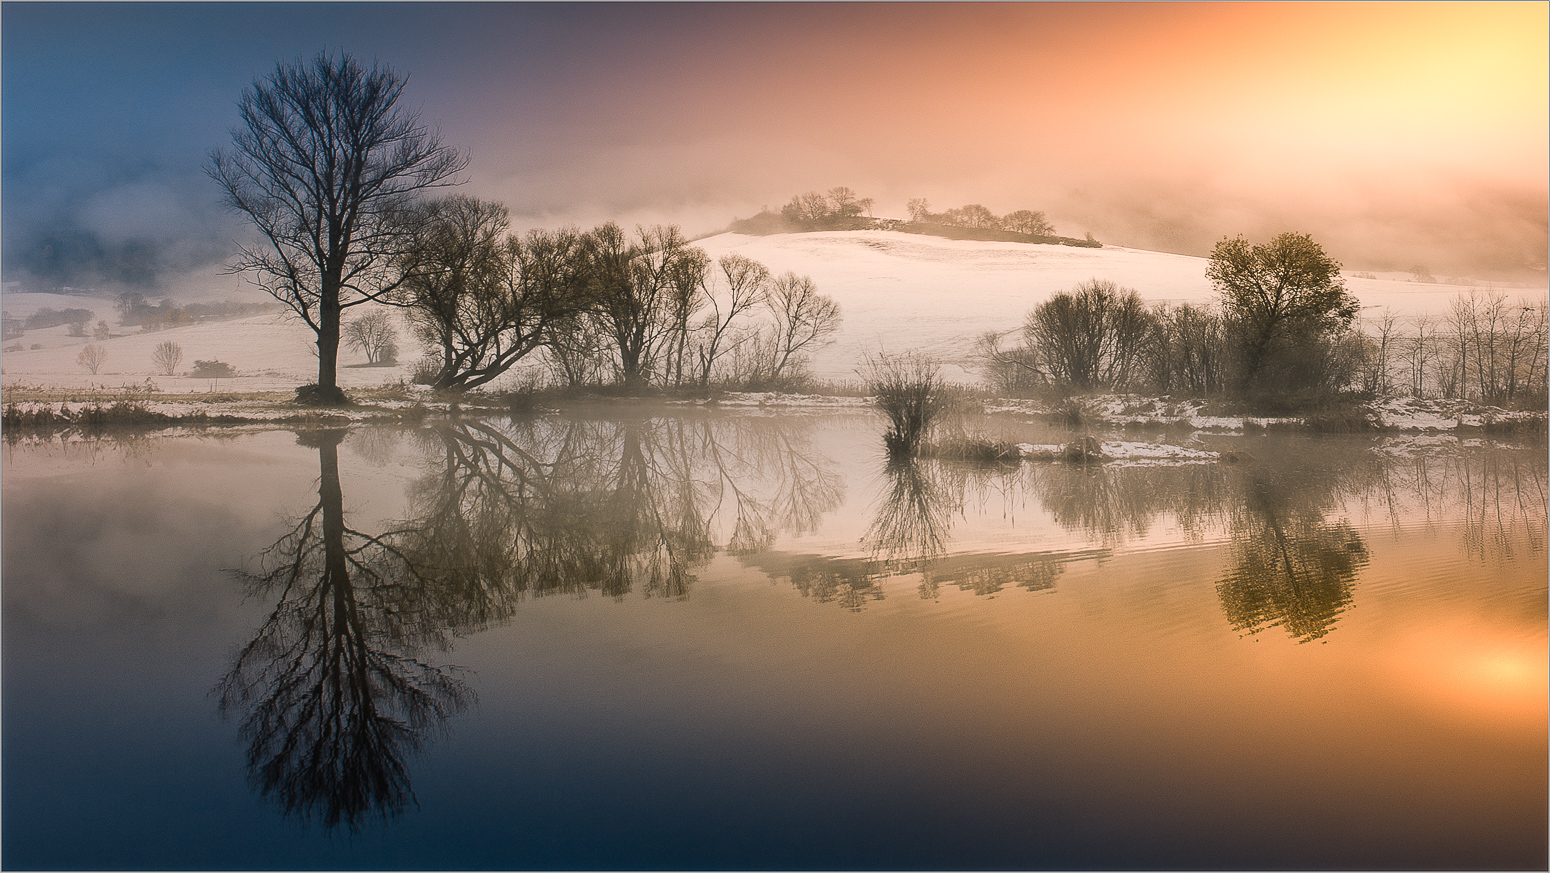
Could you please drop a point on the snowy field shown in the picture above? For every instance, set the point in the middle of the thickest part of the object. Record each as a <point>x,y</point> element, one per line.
<point>897,292</point>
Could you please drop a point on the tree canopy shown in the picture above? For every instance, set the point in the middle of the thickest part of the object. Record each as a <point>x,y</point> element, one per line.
<point>1279,296</point>
<point>324,164</point>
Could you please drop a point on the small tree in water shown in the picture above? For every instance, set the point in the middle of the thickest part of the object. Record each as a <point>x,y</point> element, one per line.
<point>909,390</point>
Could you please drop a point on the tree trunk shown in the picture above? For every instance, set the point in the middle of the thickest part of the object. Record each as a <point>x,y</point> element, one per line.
<point>326,392</point>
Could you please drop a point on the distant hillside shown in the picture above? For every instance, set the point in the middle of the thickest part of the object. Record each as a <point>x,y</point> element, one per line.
<point>842,209</point>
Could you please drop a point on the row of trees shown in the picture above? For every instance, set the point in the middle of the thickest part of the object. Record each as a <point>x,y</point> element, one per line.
<point>978,217</point>
<point>603,305</point>
<point>1283,327</point>
<point>838,209</point>
<point>1487,347</point>
<point>334,174</point>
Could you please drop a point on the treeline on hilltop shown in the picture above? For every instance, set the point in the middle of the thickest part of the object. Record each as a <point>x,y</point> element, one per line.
<point>841,209</point>
<point>1283,335</point>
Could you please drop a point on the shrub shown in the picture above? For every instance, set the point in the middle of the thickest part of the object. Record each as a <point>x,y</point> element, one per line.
<point>909,390</point>
<point>212,370</point>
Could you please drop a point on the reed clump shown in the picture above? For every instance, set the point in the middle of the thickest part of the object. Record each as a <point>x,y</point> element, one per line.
<point>908,389</point>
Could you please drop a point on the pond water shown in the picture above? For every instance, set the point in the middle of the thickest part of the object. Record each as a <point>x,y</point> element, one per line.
<point>721,641</point>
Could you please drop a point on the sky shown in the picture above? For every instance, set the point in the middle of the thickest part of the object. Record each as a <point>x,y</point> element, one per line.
<point>1399,135</point>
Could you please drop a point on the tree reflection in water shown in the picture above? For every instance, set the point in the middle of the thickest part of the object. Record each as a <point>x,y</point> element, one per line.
<point>334,690</point>
<point>335,695</point>
<point>1292,568</point>
<point>549,507</point>
<point>912,521</point>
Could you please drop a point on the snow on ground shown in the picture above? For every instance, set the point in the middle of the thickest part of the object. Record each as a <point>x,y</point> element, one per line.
<point>901,291</point>
<point>1125,453</point>
<point>269,352</point>
<point>897,292</point>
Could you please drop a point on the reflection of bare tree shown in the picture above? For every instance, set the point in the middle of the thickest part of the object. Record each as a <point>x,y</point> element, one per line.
<point>1501,492</point>
<point>571,506</point>
<point>913,518</point>
<point>1292,568</point>
<point>1111,504</point>
<point>335,697</point>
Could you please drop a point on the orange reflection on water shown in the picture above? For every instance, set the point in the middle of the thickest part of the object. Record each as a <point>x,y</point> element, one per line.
<point>1478,673</point>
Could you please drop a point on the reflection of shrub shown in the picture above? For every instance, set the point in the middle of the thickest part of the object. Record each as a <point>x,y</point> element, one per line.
<point>212,370</point>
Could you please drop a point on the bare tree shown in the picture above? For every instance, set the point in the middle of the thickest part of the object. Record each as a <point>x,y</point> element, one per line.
<point>1189,346</point>
<point>1417,352</point>
<point>1010,371</point>
<point>804,320</point>
<point>374,334</point>
<point>746,285</point>
<point>1026,221</point>
<point>324,164</point>
<point>167,356</point>
<point>92,358</point>
<point>642,286</point>
<point>920,209</point>
<point>1382,342</point>
<point>482,300</point>
<point>1093,337</point>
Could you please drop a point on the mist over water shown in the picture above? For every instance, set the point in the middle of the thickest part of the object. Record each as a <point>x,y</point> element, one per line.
<point>749,640</point>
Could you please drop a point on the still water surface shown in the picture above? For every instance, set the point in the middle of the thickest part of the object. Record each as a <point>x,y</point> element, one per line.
<point>748,642</point>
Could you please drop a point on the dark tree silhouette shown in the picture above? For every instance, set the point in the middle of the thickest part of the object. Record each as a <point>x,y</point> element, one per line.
<point>335,698</point>
<point>481,300</point>
<point>645,290</point>
<point>325,164</point>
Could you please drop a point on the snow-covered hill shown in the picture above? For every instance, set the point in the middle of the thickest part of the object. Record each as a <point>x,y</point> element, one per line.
<point>897,292</point>
<point>901,291</point>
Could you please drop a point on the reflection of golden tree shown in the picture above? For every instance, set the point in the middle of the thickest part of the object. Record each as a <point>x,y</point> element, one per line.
<point>335,697</point>
<point>1292,568</point>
